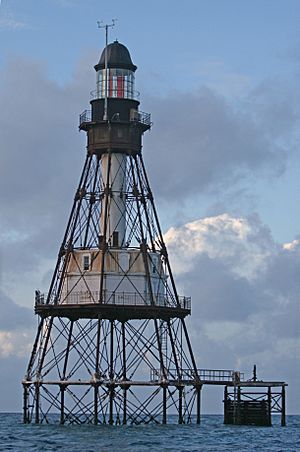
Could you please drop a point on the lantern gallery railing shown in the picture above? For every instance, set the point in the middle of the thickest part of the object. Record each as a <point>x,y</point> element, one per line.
<point>85,116</point>
<point>139,116</point>
<point>119,92</point>
<point>114,298</point>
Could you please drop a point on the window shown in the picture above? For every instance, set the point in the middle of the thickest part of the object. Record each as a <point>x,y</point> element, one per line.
<point>86,262</point>
<point>154,264</point>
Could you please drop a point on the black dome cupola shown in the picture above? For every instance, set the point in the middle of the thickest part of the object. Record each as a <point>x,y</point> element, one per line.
<point>118,56</point>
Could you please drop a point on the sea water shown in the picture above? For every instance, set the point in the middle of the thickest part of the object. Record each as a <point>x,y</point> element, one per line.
<point>211,435</point>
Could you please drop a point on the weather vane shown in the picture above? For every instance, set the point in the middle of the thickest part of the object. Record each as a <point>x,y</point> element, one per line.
<point>106,26</point>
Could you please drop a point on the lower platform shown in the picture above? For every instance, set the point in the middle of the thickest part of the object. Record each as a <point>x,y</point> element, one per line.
<point>110,311</point>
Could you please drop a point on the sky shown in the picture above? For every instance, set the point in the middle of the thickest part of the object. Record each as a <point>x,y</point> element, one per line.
<point>221,80</point>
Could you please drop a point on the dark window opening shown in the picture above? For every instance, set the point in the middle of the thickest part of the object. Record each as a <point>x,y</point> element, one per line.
<point>86,262</point>
<point>115,238</point>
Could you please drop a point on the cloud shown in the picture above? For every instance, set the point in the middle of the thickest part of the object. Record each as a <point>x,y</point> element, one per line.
<point>205,143</point>
<point>13,316</point>
<point>16,328</point>
<point>214,74</point>
<point>8,19</point>
<point>18,345</point>
<point>275,105</point>
<point>242,244</point>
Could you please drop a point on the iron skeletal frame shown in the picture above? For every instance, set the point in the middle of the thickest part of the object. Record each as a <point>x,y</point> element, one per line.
<point>97,362</point>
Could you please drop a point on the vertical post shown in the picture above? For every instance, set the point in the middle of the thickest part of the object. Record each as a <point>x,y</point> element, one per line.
<point>269,405</point>
<point>124,351</point>
<point>25,404</point>
<point>198,406</point>
<point>111,363</point>
<point>96,389</point>
<point>107,26</point>
<point>226,405</point>
<point>37,402</point>
<point>125,406</point>
<point>234,404</point>
<point>106,73</point>
<point>111,404</point>
<point>164,418</point>
<point>180,419</point>
<point>283,423</point>
<point>238,408</point>
<point>124,374</point>
<point>62,404</point>
<point>111,374</point>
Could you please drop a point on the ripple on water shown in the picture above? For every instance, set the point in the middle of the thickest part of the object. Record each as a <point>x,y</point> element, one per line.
<point>211,435</point>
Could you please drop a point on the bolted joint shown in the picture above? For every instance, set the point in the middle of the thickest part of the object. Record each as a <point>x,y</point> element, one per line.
<point>81,192</point>
<point>143,201</point>
<point>92,198</point>
<point>143,247</point>
<point>135,191</point>
<point>62,251</point>
<point>164,252</point>
<point>107,191</point>
<point>150,196</point>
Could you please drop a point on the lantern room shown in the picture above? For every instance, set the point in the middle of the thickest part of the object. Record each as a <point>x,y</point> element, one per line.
<point>117,79</point>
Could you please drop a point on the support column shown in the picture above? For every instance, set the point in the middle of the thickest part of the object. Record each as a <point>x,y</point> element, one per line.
<point>62,404</point>
<point>269,405</point>
<point>124,406</point>
<point>180,418</point>
<point>198,406</point>
<point>25,404</point>
<point>226,405</point>
<point>238,411</point>
<point>37,403</point>
<point>111,374</point>
<point>236,404</point>
<point>283,423</point>
<point>111,404</point>
<point>124,374</point>
<point>96,391</point>
<point>164,417</point>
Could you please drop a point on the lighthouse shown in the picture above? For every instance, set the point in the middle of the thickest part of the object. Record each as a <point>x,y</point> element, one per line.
<point>112,345</point>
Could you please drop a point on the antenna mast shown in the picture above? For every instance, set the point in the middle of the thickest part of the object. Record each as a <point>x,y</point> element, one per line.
<point>106,27</point>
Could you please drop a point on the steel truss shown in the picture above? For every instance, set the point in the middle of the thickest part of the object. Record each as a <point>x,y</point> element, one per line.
<point>120,365</point>
<point>111,372</point>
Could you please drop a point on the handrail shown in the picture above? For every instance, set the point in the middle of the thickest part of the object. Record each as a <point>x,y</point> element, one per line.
<point>140,117</point>
<point>208,375</point>
<point>114,298</point>
<point>85,116</point>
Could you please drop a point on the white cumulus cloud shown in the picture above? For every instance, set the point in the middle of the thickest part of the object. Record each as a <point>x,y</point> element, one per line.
<point>243,243</point>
